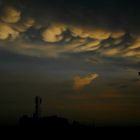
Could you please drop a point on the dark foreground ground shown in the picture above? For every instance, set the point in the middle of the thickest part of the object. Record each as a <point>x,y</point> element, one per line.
<point>56,128</point>
<point>71,132</point>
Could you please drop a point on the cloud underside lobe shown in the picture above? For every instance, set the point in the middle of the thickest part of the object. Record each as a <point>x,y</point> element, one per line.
<point>79,82</point>
<point>28,33</point>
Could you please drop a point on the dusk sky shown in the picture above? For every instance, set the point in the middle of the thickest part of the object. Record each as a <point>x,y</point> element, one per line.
<point>81,56</point>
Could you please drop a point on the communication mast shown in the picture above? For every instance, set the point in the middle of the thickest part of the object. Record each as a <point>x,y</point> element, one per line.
<point>38,102</point>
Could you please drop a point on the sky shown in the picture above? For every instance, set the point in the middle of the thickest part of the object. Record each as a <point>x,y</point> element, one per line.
<point>80,56</point>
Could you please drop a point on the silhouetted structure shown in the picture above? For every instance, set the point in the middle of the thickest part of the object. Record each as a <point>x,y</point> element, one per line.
<point>38,102</point>
<point>49,122</point>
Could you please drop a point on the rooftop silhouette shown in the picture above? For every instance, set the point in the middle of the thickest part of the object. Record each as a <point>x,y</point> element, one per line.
<point>47,122</point>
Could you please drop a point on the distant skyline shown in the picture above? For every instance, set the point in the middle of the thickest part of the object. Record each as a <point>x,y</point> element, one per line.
<point>82,57</point>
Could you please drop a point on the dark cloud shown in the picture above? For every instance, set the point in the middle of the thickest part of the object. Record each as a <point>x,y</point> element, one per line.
<point>107,24</point>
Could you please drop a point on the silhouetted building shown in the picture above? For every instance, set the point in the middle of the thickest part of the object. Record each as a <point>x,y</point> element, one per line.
<point>49,122</point>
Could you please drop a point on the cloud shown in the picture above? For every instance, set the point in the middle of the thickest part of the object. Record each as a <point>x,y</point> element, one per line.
<point>24,25</point>
<point>135,44</point>
<point>7,32</point>
<point>132,53</point>
<point>118,34</point>
<point>110,52</point>
<point>53,33</point>
<point>12,23</point>
<point>81,82</point>
<point>86,46</point>
<point>47,49</point>
<point>86,32</point>
<point>10,15</point>
<point>62,30</point>
<point>99,33</point>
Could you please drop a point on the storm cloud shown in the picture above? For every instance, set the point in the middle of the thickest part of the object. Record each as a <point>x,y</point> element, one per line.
<point>105,28</point>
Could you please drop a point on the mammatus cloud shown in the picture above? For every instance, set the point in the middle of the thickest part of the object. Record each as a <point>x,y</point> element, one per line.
<point>24,25</point>
<point>81,82</point>
<point>53,33</point>
<point>93,33</point>
<point>12,23</point>
<point>78,39</point>
<point>6,31</point>
<point>70,34</point>
<point>10,15</point>
<point>118,34</point>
